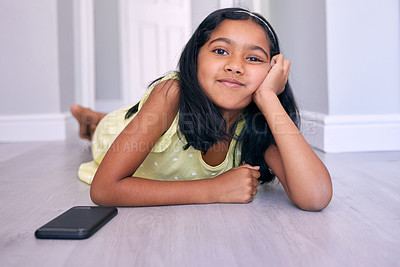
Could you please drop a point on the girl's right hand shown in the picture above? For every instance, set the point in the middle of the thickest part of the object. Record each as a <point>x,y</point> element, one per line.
<point>277,76</point>
<point>238,185</point>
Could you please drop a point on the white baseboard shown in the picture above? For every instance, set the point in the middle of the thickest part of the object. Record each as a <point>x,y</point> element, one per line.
<point>37,127</point>
<point>351,133</point>
<point>329,133</point>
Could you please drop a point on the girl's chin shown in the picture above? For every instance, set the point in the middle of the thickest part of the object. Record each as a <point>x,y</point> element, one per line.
<point>231,107</point>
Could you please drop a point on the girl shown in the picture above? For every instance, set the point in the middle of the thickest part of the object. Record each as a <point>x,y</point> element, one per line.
<point>210,132</point>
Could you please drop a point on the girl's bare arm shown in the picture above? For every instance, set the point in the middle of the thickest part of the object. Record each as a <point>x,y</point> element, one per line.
<point>304,177</point>
<point>114,186</point>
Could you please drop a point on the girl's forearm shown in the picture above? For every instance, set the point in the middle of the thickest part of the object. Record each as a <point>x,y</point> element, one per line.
<point>133,191</point>
<point>306,176</point>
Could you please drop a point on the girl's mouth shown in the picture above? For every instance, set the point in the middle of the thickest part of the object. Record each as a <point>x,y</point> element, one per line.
<point>230,82</point>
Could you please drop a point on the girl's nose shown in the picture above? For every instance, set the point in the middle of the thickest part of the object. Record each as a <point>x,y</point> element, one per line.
<point>234,66</point>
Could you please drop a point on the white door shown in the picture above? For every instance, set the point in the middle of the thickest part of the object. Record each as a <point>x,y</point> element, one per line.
<point>153,34</point>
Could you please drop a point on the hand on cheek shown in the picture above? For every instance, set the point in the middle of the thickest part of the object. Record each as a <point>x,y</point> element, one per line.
<point>277,76</point>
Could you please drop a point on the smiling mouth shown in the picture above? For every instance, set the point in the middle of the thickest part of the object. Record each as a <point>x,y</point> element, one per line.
<point>229,82</point>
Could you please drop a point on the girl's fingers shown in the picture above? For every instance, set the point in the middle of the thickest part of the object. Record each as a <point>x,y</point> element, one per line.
<point>273,62</point>
<point>256,183</point>
<point>286,65</point>
<point>250,167</point>
<point>278,59</point>
<point>255,174</point>
<point>254,191</point>
<point>254,171</point>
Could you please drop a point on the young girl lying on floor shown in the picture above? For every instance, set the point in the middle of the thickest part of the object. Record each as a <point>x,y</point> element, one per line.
<point>209,132</point>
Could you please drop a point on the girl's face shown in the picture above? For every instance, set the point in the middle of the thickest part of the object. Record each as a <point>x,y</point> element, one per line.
<point>233,63</point>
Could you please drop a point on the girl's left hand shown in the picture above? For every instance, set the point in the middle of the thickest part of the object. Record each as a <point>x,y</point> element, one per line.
<point>277,76</point>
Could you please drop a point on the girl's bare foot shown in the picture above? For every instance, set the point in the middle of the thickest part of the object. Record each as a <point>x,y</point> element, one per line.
<point>87,119</point>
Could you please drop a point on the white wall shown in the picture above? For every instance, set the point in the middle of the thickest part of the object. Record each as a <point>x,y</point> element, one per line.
<point>200,10</point>
<point>36,69</point>
<point>108,80</point>
<point>363,53</point>
<point>65,61</point>
<point>29,57</point>
<point>301,30</point>
<point>345,70</point>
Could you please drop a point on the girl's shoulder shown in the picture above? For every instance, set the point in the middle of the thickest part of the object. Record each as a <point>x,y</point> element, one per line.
<point>167,82</point>
<point>161,99</point>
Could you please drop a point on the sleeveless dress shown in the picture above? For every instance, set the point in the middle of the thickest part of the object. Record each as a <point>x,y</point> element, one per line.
<point>167,161</point>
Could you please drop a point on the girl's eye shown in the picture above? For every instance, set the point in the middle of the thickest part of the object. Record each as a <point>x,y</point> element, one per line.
<point>220,51</point>
<point>254,59</point>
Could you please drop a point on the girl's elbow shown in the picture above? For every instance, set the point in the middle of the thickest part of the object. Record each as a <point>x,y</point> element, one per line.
<point>314,205</point>
<point>95,196</point>
<point>316,202</point>
<point>320,198</point>
<point>98,195</point>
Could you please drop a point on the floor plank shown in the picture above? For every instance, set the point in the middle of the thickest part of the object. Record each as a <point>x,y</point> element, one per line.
<point>359,228</point>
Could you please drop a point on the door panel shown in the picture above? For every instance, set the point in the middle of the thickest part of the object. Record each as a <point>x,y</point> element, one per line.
<point>153,35</point>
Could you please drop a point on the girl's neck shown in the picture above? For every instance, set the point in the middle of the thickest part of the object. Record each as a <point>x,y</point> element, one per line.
<point>230,117</point>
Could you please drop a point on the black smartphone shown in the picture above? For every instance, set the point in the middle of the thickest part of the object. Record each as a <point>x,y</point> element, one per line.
<point>79,222</point>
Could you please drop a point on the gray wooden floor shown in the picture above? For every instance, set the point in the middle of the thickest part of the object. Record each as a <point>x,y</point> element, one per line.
<point>361,227</point>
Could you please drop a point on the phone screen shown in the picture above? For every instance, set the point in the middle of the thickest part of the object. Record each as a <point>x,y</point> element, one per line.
<point>77,223</point>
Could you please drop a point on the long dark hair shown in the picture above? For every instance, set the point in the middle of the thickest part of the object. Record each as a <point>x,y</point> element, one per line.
<point>199,119</point>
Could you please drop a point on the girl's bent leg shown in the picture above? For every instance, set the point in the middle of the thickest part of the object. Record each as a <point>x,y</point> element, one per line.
<point>87,119</point>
